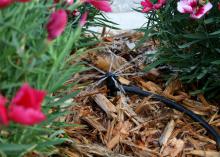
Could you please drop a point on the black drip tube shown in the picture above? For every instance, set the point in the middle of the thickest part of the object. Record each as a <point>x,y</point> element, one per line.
<point>178,107</point>
<point>113,87</point>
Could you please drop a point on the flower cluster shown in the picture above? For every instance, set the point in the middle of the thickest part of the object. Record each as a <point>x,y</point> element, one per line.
<point>193,7</point>
<point>24,108</point>
<point>102,5</point>
<point>148,5</point>
<point>58,19</point>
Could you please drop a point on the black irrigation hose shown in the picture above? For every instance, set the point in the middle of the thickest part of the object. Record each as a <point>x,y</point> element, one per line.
<point>174,105</point>
<point>113,87</point>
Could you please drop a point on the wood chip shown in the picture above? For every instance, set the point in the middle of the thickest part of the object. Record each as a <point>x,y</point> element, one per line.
<point>144,104</point>
<point>176,98</point>
<point>203,100</point>
<point>94,123</point>
<point>167,133</point>
<point>204,153</point>
<point>121,134</point>
<point>195,143</point>
<point>110,128</point>
<point>105,105</point>
<point>198,107</point>
<point>96,150</point>
<point>173,148</point>
<point>140,147</point>
<point>124,81</point>
<point>130,112</point>
<point>70,153</point>
<point>114,141</point>
<point>103,61</point>
<point>172,87</point>
<point>151,86</point>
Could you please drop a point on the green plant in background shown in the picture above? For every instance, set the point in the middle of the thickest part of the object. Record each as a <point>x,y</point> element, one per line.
<point>188,32</point>
<point>36,43</point>
<point>95,18</point>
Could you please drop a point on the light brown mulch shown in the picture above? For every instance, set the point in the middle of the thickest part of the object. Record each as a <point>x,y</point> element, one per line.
<point>130,125</point>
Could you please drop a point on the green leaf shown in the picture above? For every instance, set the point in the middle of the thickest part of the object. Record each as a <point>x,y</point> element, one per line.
<point>217,62</point>
<point>196,36</point>
<point>63,99</point>
<point>188,44</point>
<point>153,65</point>
<point>215,33</point>
<point>53,142</point>
<point>15,148</point>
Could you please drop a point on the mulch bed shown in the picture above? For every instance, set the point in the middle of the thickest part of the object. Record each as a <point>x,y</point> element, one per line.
<point>130,125</point>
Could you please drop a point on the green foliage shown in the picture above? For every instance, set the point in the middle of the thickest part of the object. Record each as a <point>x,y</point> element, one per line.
<point>192,46</point>
<point>27,56</point>
<point>95,19</point>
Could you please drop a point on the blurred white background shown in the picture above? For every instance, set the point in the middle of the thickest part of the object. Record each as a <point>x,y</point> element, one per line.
<point>125,5</point>
<point>124,15</point>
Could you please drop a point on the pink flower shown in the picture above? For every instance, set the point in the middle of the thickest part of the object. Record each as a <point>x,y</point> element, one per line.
<point>102,5</point>
<point>25,107</point>
<point>57,23</point>
<point>69,2</point>
<point>75,12</point>
<point>83,19</point>
<point>148,5</point>
<point>191,7</point>
<point>3,111</point>
<point>159,4</point>
<point>23,1</point>
<point>56,1</point>
<point>5,3</point>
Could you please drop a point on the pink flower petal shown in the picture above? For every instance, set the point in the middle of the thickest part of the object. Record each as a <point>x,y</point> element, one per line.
<point>102,5</point>
<point>23,1</point>
<point>25,107</point>
<point>147,6</point>
<point>184,7</point>
<point>147,3</point>
<point>3,100</point>
<point>192,7</point>
<point>83,19</point>
<point>56,1</point>
<point>25,116</point>
<point>69,2</point>
<point>56,24</point>
<point>3,111</point>
<point>192,3</point>
<point>146,9</point>
<point>28,97</point>
<point>201,11</point>
<point>158,6</point>
<point>162,2</point>
<point>75,13</point>
<point>5,3</point>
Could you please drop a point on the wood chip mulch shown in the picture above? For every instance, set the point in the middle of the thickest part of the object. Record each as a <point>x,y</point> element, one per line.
<point>130,125</point>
